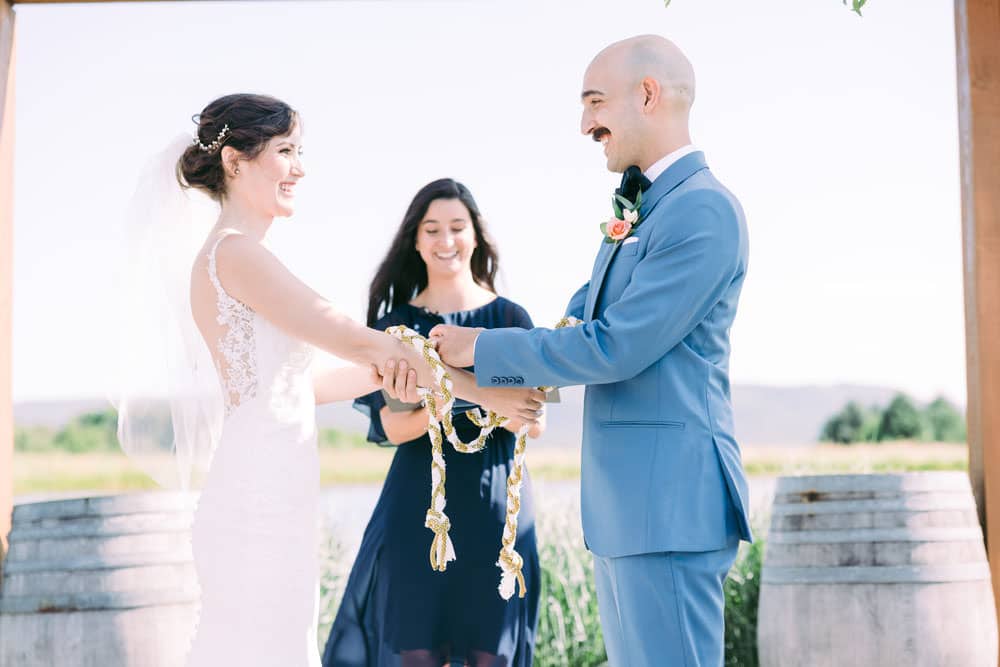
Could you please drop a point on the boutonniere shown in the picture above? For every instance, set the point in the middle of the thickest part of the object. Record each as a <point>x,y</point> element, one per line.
<point>625,220</point>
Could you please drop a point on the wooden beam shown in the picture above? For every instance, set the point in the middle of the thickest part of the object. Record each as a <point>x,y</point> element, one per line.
<point>977,32</point>
<point>77,2</point>
<point>87,2</point>
<point>7,58</point>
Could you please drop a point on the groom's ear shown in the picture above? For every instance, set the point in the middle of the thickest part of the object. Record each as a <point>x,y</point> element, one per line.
<point>651,93</point>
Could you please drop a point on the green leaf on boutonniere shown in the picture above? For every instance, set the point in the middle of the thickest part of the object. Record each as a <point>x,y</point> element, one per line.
<point>608,239</point>
<point>604,228</point>
<point>618,208</point>
<point>626,203</point>
<point>638,200</point>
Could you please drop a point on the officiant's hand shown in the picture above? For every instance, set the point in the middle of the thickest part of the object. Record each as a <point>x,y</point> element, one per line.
<point>522,404</point>
<point>455,345</point>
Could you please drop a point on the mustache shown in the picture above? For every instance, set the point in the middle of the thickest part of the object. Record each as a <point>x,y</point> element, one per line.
<point>599,133</point>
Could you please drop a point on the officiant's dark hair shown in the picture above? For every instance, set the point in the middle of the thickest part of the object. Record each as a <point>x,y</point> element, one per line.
<point>244,121</point>
<point>402,274</point>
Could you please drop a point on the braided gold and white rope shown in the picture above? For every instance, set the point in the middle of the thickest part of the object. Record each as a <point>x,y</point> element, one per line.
<point>510,561</point>
<point>442,550</point>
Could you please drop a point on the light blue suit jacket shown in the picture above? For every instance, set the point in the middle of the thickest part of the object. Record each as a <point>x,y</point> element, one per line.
<point>661,470</point>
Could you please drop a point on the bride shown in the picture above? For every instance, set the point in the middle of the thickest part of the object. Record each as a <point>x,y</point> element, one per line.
<point>255,531</point>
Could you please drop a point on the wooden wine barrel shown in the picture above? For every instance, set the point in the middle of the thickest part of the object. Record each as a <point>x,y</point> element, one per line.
<point>99,582</point>
<point>877,570</point>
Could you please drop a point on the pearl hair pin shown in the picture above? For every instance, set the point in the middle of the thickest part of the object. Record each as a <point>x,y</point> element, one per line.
<point>215,145</point>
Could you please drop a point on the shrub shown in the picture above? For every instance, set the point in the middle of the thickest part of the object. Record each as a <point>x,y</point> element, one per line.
<point>742,590</point>
<point>845,426</point>
<point>902,421</point>
<point>946,423</point>
<point>569,623</point>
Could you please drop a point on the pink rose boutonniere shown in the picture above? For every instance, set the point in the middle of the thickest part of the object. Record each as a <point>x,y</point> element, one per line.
<point>624,221</point>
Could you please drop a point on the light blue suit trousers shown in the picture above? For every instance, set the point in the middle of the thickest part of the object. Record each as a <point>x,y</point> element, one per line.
<point>664,609</point>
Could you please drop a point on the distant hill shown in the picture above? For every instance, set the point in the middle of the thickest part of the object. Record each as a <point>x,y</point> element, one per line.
<point>764,415</point>
<point>55,414</point>
<point>785,416</point>
<point>795,415</point>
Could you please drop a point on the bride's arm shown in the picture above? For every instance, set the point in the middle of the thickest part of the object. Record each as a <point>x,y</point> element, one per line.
<point>343,384</point>
<point>251,274</point>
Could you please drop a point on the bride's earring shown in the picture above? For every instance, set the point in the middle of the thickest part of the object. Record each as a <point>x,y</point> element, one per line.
<point>236,171</point>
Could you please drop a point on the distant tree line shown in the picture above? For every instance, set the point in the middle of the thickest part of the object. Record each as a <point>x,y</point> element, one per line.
<point>90,432</point>
<point>939,421</point>
<point>98,432</point>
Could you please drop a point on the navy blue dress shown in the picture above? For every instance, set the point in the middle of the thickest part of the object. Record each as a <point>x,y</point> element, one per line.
<point>394,601</point>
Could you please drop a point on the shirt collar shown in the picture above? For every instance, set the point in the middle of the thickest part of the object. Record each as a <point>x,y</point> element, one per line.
<point>664,162</point>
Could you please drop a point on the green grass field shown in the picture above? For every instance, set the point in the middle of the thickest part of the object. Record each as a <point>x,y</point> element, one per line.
<point>349,462</point>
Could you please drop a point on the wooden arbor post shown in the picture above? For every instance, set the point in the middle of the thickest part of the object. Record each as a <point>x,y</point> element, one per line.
<point>977,33</point>
<point>7,55</point>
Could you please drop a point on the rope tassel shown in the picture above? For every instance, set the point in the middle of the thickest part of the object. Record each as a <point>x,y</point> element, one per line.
<point>510,562</point>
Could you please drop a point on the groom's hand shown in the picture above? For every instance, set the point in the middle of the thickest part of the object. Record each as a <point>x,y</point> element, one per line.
<point>455,345</point>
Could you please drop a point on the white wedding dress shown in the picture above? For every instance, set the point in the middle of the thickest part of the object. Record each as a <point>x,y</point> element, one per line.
<point>255,534</point>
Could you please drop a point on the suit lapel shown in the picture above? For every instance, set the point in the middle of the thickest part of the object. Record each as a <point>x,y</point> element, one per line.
<point>604,256</point>
<point>675,174</point>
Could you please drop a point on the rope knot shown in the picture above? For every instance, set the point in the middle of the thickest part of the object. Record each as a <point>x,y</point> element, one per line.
<point>442,550</point>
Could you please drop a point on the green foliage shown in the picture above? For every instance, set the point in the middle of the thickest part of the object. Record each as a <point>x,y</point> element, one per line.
<point>946,423</point>
<point>90,432</point>
<point>856,5</point>
<point>330,437</point>
<point>902,421</point>
<point>845,426</point>
<point>335,567</point>
<point>569,624</point>
<point>107,420</point>
<point>940,421</point>
<point>742,590</point>
<point>869,428</point>
<point>98,432</point>
<point>33,439</point>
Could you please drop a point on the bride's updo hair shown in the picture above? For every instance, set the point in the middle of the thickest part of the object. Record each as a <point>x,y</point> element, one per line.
<point>243,121</point>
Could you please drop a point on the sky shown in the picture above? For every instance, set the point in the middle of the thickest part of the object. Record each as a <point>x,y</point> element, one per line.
<point>838,133</point>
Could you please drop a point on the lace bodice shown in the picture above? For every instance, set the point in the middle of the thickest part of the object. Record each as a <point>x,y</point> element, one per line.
<point>282,375</point>
<point>239,377</point>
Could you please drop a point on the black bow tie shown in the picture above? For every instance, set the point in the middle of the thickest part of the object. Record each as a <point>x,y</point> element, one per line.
<point>633,182</point>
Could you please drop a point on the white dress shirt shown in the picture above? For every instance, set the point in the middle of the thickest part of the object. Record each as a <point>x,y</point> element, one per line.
<point>661,165</point>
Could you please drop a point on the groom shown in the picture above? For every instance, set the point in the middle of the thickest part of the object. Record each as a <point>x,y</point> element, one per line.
<point>664,496</point>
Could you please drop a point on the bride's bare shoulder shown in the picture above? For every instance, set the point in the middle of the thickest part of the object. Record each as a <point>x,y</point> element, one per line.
<point>228,248</point>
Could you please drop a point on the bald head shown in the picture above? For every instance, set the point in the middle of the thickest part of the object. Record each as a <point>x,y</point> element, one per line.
<point>637,97</point>
<point>637,58</point>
